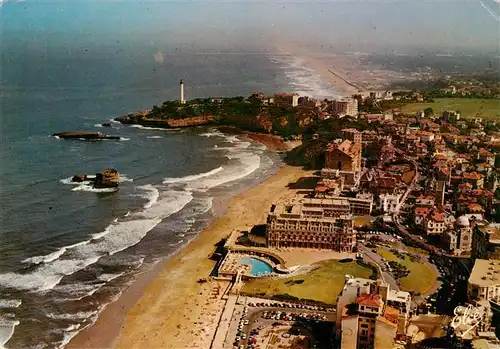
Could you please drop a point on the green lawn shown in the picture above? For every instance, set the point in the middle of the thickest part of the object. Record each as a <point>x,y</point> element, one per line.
<point>468,107</point>
<point>421,278</point>
<point>323,284</point>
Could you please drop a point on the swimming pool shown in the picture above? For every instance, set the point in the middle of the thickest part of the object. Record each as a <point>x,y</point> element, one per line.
<point>258,267</point>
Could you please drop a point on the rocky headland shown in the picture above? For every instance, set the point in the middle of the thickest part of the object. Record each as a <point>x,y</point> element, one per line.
<point>141,119</point>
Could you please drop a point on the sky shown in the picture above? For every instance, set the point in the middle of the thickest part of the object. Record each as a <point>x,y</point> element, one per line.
<point>236,25</point>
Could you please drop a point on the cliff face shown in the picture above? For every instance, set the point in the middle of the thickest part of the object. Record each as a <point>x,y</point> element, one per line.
<point>141,119</point>
<point>191,121</point>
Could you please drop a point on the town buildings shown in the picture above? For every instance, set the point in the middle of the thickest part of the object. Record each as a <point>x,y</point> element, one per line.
<point>459,239</point>
<point>370,314</point>
<point>486,241</point>
<point>343,156</point>
<point>343,159</point>
<point>389,202</point>
<point>484,281</point>
<point>311,224</point>
<point>353,135</point>
<point>345,106</point>
<point>434,222</point>
<point>286,99</point>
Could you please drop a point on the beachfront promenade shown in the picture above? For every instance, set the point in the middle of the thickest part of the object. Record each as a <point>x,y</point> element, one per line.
<point>221,334</point>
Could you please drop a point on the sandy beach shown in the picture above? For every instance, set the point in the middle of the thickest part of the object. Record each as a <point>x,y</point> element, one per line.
<point>169,309</point>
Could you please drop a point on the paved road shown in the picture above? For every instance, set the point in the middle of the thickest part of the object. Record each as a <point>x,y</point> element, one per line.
<point>376,259</point>
<point>411,186</point>
<point>388,277</point>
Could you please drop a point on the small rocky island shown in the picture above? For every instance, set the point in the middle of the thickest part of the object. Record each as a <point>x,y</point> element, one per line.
<point>109,178</point>
<point>84,135</point>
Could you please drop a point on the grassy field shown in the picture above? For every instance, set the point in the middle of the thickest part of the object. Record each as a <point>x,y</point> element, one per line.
<point>421,278</point>
<point>468,107</point>
<point>323,284</point>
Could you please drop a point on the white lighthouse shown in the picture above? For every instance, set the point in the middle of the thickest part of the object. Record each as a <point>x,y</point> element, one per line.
<point>182,92</point>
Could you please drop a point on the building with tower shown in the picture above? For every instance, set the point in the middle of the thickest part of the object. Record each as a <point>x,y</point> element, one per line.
<point>344,156</point>
<point>343,159</point>
<point>459,239</point>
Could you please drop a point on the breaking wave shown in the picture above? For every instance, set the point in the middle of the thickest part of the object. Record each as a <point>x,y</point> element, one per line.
<point>193,177</point>
<point>51,268</point>
<point>10,303</point>
<point>6,330</point>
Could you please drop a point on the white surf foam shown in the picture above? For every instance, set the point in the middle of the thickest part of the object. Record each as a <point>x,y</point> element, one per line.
<point>109,277</point>
<point>169,202</point>
<point>6,330</point>
<point>98,125</point>
<point>152,195</point>
<point>82,315</point>
<point>69,181</point>
<point>124,139</point>
<point>68,335</point>
<point>193,177</point>
<point>90,188</point>
<point>77,291</point>
<point>248,163</point>
<point>303,80</point>
<point>10,303</point>
<point>212,133</point>
<point>119,236</point>
<point>176,243</point>
<point>147,128</point>
<point>154,137</point>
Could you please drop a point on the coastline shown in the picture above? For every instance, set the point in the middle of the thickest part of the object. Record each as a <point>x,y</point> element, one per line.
<point>163,306</point>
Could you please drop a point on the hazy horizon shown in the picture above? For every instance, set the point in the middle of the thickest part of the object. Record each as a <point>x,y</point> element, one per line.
<point>256,26</point>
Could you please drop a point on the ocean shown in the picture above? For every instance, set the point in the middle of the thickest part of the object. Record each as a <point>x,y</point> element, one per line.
<point>66,249</point>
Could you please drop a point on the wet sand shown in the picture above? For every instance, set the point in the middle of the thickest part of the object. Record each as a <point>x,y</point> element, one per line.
<point>168,308</point>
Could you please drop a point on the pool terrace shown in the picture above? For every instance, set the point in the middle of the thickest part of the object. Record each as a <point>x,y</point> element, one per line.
<point>250,264</point>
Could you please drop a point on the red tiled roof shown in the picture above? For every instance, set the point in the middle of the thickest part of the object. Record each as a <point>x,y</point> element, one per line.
<point>475,208</point>
<point>485,152</point>
<point>465,186</point>
<point>445,171</point>
<point>321,189</point>
<point>436,216</point>
<point>463,197</point>
<point>371,300</point>
<point>350,130</point>
<point>422,211</point>
<point>472,175</point>
<point>425,197</point>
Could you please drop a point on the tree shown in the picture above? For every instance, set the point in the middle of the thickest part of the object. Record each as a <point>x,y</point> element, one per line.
<point>428,112</point>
